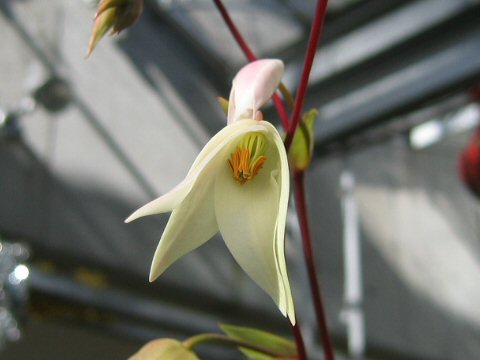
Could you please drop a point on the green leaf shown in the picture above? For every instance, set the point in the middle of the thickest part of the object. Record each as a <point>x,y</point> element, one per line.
<point>271,342</point>
<point>164,349</point>
<point>254,355</point>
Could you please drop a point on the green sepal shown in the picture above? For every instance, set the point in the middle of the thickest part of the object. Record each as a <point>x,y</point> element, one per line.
<point>115,15</point>
<point>223,104</point>
<point>164,349</point>
<point>103,22</point>
<point>301,150</point>
<point>273,343</point>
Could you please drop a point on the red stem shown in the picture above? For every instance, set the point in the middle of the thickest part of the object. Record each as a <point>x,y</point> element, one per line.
<point>301,353</point>
<point>301,205</point>
<point>307,67</point>
<point>299,176</point>
<point>235,32</point>
<point>282,112</point>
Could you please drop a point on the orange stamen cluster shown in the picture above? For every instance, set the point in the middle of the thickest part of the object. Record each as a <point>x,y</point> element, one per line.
<point>248,158</point>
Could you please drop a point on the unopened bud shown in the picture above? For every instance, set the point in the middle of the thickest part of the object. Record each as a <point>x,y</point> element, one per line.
<point>301,150</point>
<point>168,349</point>
<point>115,15</point>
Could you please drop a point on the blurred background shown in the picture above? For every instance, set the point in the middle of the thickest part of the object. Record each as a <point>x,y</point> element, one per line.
<point>83,143</point>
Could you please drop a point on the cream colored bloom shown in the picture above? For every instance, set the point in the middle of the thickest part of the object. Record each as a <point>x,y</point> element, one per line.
<point>238,185</point>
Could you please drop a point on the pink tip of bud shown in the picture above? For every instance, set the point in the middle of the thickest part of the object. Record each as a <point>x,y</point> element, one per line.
<point>253,86</point>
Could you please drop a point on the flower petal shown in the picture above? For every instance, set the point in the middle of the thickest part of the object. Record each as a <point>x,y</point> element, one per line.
<point>174,197</point>
<point>190,225</point>
<point>220,139</point>
<point>248,215</point>
<point>166,202</point>
<point>252,87</point>
<point>193,222</point>
<point>284,183</point>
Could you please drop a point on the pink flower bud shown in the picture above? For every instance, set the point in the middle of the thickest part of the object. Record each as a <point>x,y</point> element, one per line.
<point>253,86</point>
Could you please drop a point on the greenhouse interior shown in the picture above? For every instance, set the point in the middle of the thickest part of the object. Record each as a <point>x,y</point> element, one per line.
<point>329,150</point>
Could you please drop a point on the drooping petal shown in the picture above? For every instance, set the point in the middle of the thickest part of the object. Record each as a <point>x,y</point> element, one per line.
<point>166,202</point>
<point>248,218</point>
<point>252,87</point>
<point>190,225</point>
<point>193,221</point>
<point>284,183</point>
<point>246,215</point>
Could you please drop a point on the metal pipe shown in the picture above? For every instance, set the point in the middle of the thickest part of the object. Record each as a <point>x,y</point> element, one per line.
<point>352,312</point>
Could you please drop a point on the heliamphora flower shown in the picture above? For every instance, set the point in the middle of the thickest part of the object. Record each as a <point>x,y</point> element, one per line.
<point>238,185</point>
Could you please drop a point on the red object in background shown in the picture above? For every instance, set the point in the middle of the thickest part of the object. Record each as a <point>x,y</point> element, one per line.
<point>470,164</point>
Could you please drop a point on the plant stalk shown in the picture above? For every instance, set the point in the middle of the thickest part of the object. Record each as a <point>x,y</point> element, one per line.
<point>301,352</point>
<point>315,33</point>
<point>301,205</point>
<point>290,127</point>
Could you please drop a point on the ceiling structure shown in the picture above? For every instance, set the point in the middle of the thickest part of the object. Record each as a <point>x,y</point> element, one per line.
<point>87,142</point>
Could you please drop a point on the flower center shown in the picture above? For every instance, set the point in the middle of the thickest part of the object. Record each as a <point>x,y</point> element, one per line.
<point>248,158</point>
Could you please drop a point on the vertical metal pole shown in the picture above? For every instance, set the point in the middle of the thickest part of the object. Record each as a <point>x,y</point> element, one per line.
<point>352,312</point>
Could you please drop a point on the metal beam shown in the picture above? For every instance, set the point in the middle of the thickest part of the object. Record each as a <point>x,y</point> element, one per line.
<point>439,60</point>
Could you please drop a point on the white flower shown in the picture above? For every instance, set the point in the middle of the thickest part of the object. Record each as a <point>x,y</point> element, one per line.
<point>238,185</point>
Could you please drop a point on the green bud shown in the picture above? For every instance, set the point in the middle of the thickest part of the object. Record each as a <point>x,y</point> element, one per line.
<point>164,349</point>
<point>116,15</point>
<point>301,150</point>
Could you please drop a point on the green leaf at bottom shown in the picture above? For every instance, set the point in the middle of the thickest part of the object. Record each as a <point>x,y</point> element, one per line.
<point>271,342</point>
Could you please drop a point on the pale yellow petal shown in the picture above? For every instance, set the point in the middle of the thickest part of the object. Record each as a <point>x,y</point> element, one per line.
<point>166,202</point>
<point>221,138</point>
<point>284,184</point>
<point>175,196</point>
<point>190,225</point>
<point>193,221</point>
<point>248,217</point>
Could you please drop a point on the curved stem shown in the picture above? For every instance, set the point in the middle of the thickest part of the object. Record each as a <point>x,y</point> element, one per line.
<point>196,340</point>
<point>235,32</point>
<point>282,112</point>
<point>301,205</point>
<point>307,67</point>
